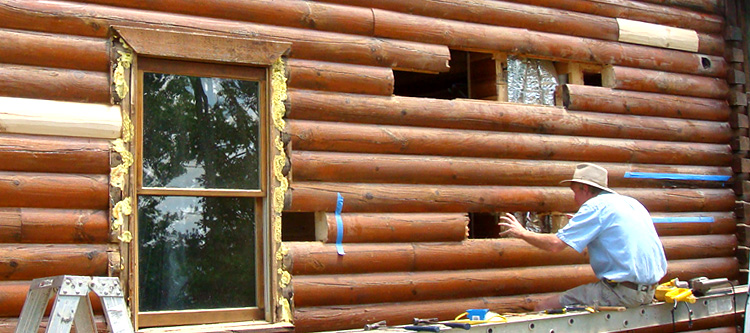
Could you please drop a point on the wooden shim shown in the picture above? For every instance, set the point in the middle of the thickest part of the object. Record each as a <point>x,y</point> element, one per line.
<point>35,116</point>
<point>736,77</point>
<point>321,290</point>
<point>313,258</point>
<point>472,36</point>
<point>344,137</point>
<point>54,84</point>
<point>415,169</point>
<point>49,226</point>
<point>657,35</point>
<point>52,50</point>
<point>357,79</point>
<point>53,154</point>
<point>493,116</point>
<point>13,295</point>
<point>93,20</point>
<point>313,197</point>
<point>31,261</point>
<point>626,78</point>
<point>598,99</point>
<point>392,227</point>
<point>42,190</point>
<point>640,11</point>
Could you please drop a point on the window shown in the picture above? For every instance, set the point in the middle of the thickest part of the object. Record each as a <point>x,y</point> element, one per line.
<point>200,132</point>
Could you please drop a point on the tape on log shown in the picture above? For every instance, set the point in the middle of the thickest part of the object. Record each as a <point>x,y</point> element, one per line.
<point>676,176</point>
<point>339,225</point>
<point>683,219</point>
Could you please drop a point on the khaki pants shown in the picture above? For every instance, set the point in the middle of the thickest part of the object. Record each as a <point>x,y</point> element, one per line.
<point>601,293</point>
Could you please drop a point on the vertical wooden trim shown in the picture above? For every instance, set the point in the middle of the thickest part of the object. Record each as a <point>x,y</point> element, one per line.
<point>501,66</point>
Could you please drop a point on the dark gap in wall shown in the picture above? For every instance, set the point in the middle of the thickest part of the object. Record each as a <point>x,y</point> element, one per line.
<point>592,79</point>
<point>298,227</point>
<point>471,75</point>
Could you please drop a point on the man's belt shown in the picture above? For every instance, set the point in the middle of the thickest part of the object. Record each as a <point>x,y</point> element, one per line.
<point>631,285</point>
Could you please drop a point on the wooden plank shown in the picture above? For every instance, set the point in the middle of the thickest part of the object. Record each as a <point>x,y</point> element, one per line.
<point>657,35</point>
<point>392,227</point>
<point>381,139</point>
<point>587,98</point>
<point>346,78</point>
<point>54,84</point>
<point>312,197</point>
<point>416,169</point>
<point>34,116</point>
<point>507,117</point>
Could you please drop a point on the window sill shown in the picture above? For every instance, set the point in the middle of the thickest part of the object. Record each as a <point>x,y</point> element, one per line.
<point>238,327</point>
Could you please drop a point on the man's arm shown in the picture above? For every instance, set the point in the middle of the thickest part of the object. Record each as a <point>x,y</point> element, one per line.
<point>547,242</point>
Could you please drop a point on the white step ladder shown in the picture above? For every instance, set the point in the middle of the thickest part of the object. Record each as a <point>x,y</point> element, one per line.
<point>73,304</point>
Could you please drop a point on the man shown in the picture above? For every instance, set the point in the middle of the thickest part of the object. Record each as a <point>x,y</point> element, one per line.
<point>624,250</point>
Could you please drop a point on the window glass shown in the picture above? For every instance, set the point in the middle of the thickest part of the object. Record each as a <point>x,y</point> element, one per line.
<point>200,132</point>
<point>196,252</point>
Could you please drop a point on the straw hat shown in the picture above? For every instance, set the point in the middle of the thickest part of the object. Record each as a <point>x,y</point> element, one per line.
<point>590,174</point>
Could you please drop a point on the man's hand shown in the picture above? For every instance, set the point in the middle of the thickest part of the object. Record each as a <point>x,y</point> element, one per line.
<point>514,228</point>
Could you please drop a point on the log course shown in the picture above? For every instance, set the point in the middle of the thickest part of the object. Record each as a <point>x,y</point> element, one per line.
<point>46,226</point>
<point>43,190</point>
<point>724,223</point>
<point>344,137</point>
<point>31,261</point>
<point>54,84</point>
<point>312,197</point>
<point>493,116</point>
<point>94,20</point>
<point>472,36</point>
<point>13,295</point>
<point>415,169</point>
<point>392,228</point>
<point>314,258</point>
<point>8,325</point>
<point>320,290</point>
<point>43,117</point>
<point>52,50</point>
<point>626,78</point>
<point>708,6</point>
<point>590,98</point>
<point>639,11</point>
<point>33,153</point>
<point>356,79</point>
<point>657,35</point>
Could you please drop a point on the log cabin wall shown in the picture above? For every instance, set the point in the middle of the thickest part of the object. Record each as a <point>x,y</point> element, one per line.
<point>413,172</point>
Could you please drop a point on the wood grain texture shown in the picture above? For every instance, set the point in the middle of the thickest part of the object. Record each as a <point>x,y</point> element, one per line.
<point>33,153</point>
<point>45,190</point>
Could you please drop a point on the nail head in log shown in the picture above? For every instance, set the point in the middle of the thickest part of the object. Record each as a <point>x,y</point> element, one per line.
<point>46,190</point>
<point>493,116</point>
<point>33,153</point>
<point>31,261</point>
<point>347,78</point>
<point>590,98</point>
<point>626,78</point>
<point>323,166</point>
<point>392,227</point>
<point>319,290</point>
<point>313,197</point>
<point>54,84</point>
<point>345,137</point>
<point>64,17</point>
<point>47,226</point>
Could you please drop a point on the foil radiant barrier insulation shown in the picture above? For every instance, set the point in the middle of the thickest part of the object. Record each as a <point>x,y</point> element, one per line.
<point>531,81</point>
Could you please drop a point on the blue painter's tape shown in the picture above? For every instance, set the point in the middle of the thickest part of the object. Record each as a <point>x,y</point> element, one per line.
<point>676,176</point>
<point>339,225</point>
<point>682,219</point>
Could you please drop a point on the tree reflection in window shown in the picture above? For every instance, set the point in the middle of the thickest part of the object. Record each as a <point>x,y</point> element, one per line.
<point>198,252</point>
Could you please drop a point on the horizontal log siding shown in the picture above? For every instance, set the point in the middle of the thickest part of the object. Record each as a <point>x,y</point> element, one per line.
<point>53,154</point>
<point>31,261</point>
<point>43,226</point>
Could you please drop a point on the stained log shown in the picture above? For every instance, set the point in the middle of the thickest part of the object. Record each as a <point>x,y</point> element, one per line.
<point>52,50</point>
<point>94,20</point>
<point>494,116</point>
<point>414,169</point>
<point>392,228</point>
<point>708,6</point>
<point>329,136</point>
<point>46,226</point>
<point>31,261</point>
<point>319,290</point>
<point>640,11</point>
<point>54,84</point>
<point>472,36</point>
<point>13,295</point>
<point>318,75</point>
<point>8,325</point>
<point>314,258</point>
<point>313,197</point>
<point>43,190</point>
<point>626,78</point>
<point>33,153</point>
<point>590,98</point>
<point>724,223</point>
